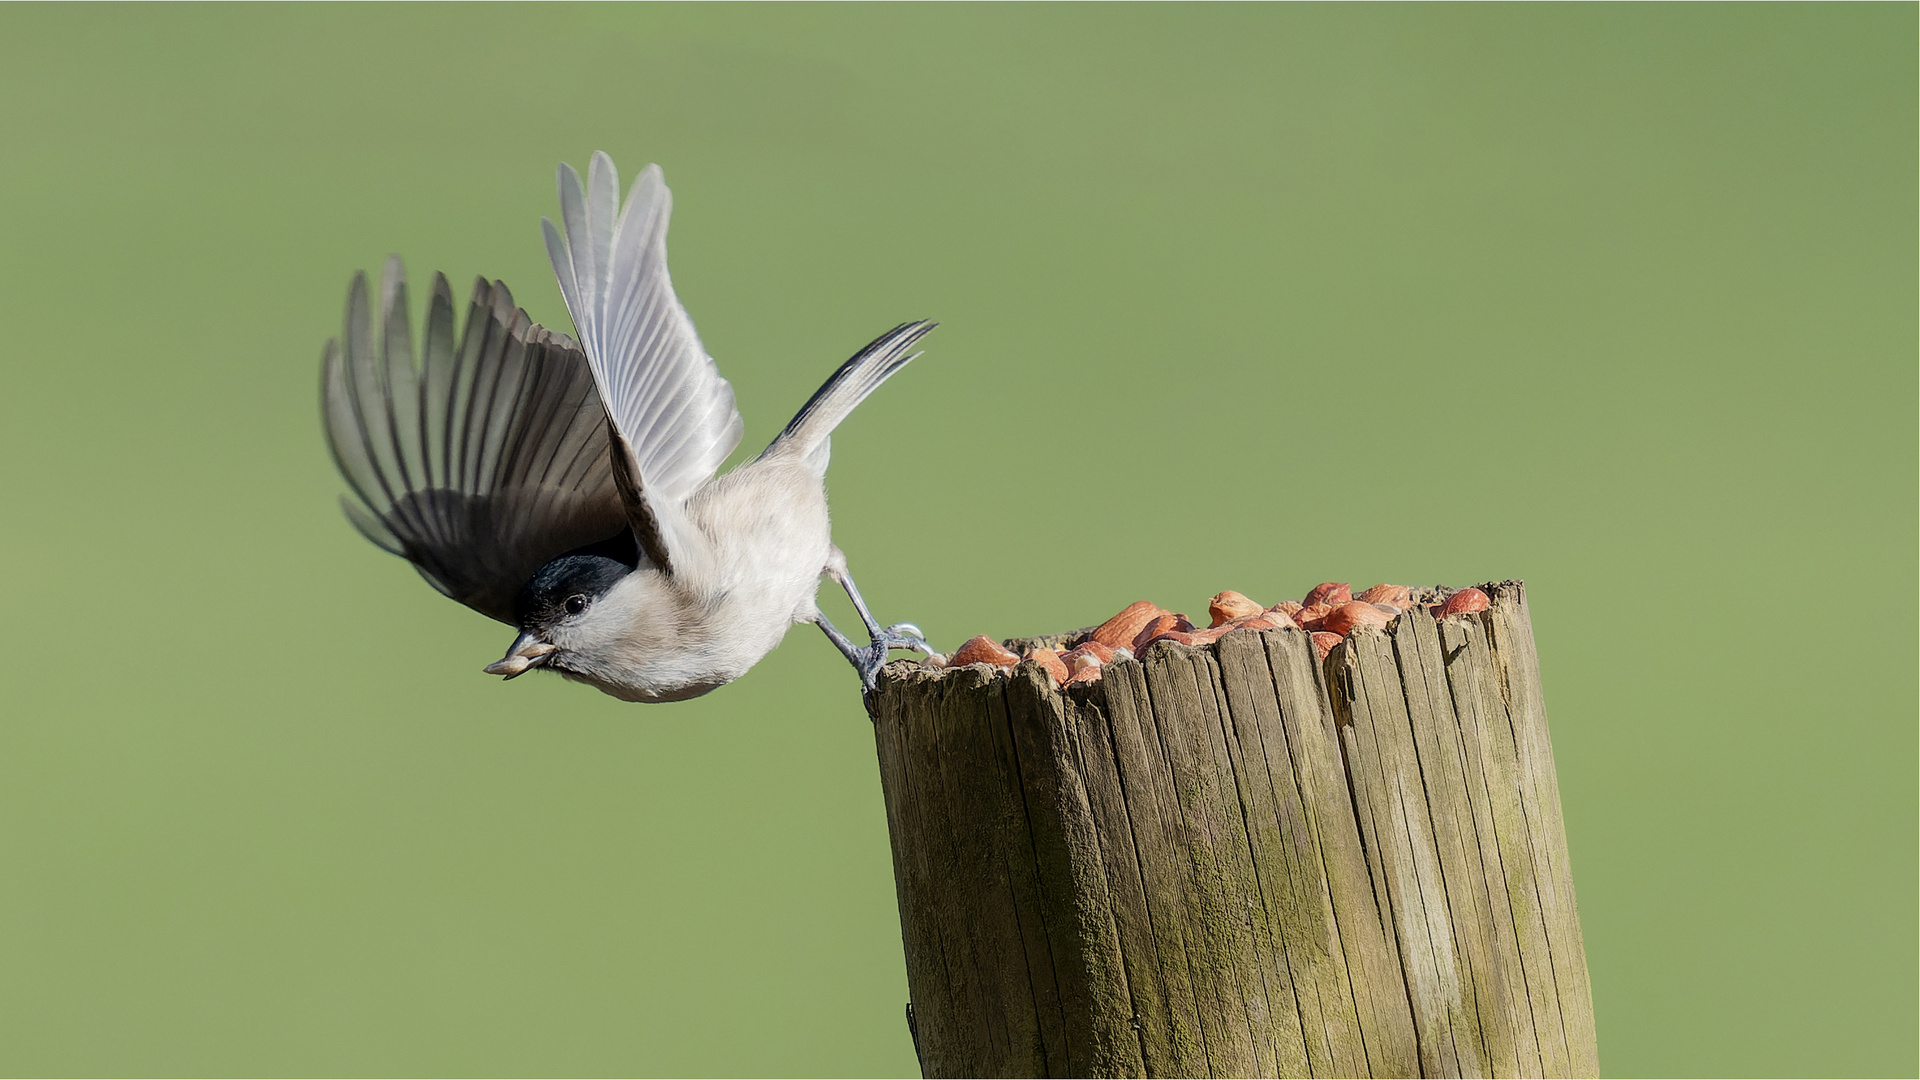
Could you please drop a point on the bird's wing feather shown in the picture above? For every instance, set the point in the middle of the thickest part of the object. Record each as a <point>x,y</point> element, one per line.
<point>662,391</point>
<point>482,463</point>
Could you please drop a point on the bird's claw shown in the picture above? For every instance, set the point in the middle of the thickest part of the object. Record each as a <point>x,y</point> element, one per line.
<point>906,636</point>
<point>873,656</point>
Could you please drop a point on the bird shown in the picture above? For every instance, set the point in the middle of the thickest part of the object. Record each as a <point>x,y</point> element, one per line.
<point>566,485</point>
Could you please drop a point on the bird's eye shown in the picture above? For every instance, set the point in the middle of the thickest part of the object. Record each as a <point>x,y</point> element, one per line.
<point>576,604</point>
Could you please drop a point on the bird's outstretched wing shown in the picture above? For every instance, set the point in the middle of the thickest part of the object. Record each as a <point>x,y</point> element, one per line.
<point>483,462</point>
<point>664,396</point>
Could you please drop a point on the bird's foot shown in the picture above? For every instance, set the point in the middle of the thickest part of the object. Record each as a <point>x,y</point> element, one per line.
<point>870,659</point>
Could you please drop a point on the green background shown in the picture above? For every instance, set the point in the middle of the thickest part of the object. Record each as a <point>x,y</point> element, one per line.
<point>1619,300</point>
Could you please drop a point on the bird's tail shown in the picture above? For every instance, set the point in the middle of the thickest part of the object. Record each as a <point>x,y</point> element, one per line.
<point>806,435</point>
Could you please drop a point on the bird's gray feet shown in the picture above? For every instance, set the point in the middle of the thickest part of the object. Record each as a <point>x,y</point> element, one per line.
<point>868,659</point>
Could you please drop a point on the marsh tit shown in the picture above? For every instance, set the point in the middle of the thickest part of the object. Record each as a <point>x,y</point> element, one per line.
<point>566,486</point>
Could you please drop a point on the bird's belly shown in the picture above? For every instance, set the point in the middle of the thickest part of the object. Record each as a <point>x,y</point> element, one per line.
<point>648,693</point>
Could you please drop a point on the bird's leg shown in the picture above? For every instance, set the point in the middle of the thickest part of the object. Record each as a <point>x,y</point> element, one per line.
<point>855,654</point>
<point>869,660</point>
<point>897,636</point>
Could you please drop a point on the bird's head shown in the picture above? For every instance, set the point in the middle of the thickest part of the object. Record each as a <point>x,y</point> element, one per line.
<point>560,610</point>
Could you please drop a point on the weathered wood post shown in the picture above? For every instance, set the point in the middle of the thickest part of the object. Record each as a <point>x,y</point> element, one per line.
<point>1236,860</point>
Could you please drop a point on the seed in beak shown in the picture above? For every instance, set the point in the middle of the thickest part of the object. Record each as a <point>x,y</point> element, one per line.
<point>526,653</point>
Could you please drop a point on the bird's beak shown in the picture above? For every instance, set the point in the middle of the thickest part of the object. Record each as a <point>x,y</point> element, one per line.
<point>526,653</point>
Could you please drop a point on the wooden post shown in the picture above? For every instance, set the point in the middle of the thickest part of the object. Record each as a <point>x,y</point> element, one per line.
<point>1235,860</point>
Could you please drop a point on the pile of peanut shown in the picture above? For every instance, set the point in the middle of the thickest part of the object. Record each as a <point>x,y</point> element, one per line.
<point>1329,612</point>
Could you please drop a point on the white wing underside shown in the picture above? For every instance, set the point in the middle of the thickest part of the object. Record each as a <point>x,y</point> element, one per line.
<point>661,389</point>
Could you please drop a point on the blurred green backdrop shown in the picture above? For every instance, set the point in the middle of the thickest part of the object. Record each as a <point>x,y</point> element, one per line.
<point>1617,299</point>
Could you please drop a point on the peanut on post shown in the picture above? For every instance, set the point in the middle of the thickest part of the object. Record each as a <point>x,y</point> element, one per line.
<point>1119,631</point>
<point>1464,602</point>
<point>983,650</point>
<point>1266,620</point>
<point>1398,596</point>
<point>1049,660</point>
<point>1229,605</point>
<point>1084,676</point>
<point>1086,656</point>
<point>1309,617</point>
<point>1344,619</point>
<point>1330,593</point>
<point>1161,625</point>
<point>1323,643</point>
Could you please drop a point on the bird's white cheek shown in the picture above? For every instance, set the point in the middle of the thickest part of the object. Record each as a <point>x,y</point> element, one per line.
<point>619,629</point>
<point>586,632</point>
